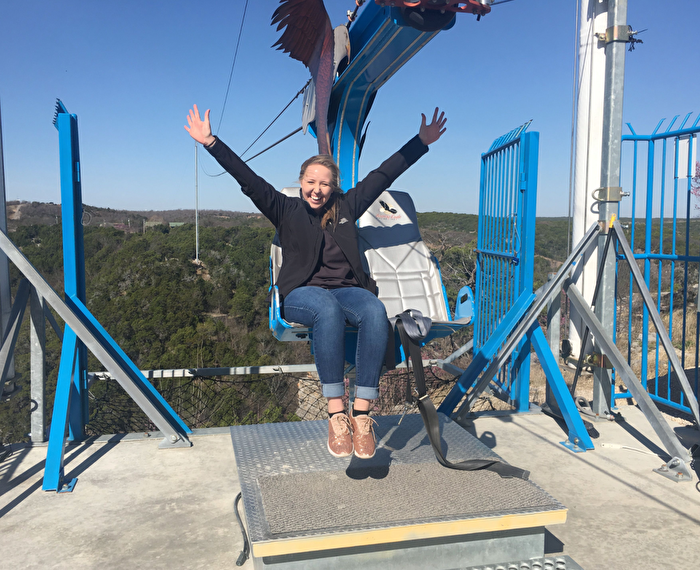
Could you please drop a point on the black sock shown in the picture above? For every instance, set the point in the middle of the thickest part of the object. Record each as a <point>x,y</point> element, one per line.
<point>330,415</point>
<point>359,412</point>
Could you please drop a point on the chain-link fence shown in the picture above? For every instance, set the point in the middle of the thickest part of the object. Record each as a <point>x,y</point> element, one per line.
<point>205,402</point>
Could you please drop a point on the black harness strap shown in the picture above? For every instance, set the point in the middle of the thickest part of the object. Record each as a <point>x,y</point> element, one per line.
<point>413,328</point>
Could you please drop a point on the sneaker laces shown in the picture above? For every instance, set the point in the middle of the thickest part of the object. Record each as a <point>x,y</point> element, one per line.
<point>364,424</point>
<point>340,424</point>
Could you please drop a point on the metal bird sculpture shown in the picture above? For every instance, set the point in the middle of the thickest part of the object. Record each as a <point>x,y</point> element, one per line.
<point>309,38</point>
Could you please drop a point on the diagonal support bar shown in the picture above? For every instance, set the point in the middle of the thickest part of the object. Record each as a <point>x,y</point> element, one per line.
<point>53,472</point>
<point>484,354</point>
<point>519,328</point>
<point>656,319</point>
<point>13,324</point>
<point>103,347</point>
<point>644,401</point>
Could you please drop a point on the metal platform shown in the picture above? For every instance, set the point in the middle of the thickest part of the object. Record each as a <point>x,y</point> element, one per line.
<point>400,509</point>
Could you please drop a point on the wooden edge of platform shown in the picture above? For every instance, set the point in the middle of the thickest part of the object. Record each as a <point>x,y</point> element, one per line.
<point>350,539</point>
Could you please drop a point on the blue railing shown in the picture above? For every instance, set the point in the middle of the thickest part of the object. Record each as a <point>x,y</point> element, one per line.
<point>506,247</point>
<point>659,175</point>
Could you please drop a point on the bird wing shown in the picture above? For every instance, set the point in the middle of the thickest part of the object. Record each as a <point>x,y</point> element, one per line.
<point>306,24</point>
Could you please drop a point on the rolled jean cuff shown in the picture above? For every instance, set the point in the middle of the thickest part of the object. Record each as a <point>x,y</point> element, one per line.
<point>336,390</point>
<point>366,392</point>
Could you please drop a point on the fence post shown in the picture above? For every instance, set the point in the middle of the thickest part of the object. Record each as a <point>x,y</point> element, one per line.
<point>553,338</point>
<point>37,343</point>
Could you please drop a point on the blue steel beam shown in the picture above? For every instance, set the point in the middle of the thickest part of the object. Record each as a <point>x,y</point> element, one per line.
<point>383,43</point>
<point>579,440</point>
<point>73,256</point>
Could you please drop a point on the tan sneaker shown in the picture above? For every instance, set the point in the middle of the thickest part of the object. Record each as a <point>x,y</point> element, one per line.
<point>339,436</point>
<point>363,438</point>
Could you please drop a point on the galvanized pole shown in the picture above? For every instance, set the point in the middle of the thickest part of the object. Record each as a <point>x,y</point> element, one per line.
<point>37,340</point>
<point>5,293</point>
<point>553,338</point>
<point>609,194</point>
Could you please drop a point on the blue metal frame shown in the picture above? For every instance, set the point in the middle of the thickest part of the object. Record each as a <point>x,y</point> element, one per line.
<point>383,43</point>
<point>658,189</point>
<point>73,264</point>
<point>506,247</point>
<point>70,409</point>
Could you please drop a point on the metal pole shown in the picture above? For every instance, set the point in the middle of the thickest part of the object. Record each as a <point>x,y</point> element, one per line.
<point>196,202</point>
<point>5,293</point>
<point>608,195</point>
<point>37,343</point>
<point>553,337</point>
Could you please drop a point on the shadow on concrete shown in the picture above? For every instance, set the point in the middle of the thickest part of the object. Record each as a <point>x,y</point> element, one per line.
<point>644,440</point>
<point>7,484</point>
<point>10,465</point>
<point>634,490</point>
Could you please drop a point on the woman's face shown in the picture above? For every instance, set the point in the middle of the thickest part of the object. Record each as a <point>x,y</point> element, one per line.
<point>316,185</point>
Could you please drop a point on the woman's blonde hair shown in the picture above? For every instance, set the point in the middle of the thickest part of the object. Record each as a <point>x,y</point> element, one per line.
<point>331,213</point>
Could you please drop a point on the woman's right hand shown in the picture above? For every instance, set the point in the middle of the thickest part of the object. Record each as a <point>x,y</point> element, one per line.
<point>200,130</point>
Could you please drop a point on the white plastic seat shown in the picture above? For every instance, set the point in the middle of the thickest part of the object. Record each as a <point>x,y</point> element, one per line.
<point>407,274</point>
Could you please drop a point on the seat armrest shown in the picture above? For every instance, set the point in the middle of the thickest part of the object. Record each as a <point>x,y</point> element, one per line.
<point>464,307</point>
<point>281,329</point>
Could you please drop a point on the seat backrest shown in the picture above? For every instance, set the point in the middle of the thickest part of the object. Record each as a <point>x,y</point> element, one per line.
<point>407,274</point>
<point>276,249</point>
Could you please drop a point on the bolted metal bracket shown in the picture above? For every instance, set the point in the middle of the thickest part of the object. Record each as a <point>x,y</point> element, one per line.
<point>598,360</point>
<point>173,441</point>
<point>622,34</point>
<point>573,444</point>
<point>677,470</point>
<point>68,486</point>
<point>609,194</point>
<point>615,34</point>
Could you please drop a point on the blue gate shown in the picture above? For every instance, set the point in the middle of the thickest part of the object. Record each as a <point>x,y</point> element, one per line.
<point>665,238</point>
<point>506,248</point>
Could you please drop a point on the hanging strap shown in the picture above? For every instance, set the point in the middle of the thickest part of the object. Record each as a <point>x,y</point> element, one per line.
<point>413,328</point>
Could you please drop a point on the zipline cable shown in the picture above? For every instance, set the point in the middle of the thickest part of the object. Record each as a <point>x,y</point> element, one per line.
<point>275,119</point>
<point>275,144</point>
<point>233,65</point>
<point>266,128</point>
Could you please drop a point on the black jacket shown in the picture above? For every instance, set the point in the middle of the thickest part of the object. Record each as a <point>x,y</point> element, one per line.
<point>298,225</point>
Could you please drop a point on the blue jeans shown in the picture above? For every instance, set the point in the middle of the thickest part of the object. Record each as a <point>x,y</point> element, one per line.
<point>327,311</point>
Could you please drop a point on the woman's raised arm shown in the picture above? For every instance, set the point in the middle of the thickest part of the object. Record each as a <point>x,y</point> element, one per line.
<point>200,130</point>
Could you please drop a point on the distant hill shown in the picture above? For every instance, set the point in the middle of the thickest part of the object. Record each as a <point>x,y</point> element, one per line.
<point>22,213</point>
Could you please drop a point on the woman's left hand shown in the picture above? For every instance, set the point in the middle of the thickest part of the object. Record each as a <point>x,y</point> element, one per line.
<point>430,133</point>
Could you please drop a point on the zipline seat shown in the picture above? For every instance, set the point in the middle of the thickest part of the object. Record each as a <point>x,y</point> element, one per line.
<point>407,274</point>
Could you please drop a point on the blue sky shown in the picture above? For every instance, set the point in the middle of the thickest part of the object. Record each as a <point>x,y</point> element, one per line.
<point>131,70</point>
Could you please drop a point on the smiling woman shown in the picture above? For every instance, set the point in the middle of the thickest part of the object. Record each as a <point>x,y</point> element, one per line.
<point>322,283</point>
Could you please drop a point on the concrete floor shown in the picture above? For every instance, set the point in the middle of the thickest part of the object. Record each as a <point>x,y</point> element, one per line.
<point>136,506</point>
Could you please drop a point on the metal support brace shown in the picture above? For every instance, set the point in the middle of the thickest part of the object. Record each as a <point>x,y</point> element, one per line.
<point>37,325</point>
<point>86,327</point>
<point>579,440</point>
<point>553,338</point>
<point>667,436</point>
<point>656,319</point>
<point>10,337</point>
<point>510,332</point>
